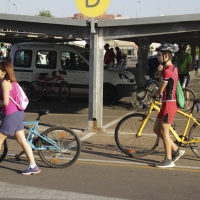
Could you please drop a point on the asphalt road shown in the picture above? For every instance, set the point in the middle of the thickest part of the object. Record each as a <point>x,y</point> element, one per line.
<point>102,171</point>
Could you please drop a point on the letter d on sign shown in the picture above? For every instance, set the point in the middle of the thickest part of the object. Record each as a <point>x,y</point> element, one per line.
<point>92,8</point>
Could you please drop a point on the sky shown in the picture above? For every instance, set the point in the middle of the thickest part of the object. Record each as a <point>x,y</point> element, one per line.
<point>128,8</point>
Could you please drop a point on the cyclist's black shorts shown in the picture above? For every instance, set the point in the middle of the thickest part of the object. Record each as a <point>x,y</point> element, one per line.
<point>181,79</point>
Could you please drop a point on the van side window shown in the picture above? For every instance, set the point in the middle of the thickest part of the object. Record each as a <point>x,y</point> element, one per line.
<point>23,58</point>
<point>46,59</point>
<point>72,61</point>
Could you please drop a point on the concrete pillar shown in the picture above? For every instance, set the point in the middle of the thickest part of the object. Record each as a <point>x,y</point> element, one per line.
<point>143,46</point>
<point>199,57</point>
<point>193,54</point>
<point>95,112</point>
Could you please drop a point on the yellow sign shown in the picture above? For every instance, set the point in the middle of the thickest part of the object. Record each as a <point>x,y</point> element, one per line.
<point>92,8</point>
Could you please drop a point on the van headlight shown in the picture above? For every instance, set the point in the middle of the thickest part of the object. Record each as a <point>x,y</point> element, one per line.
<point>124,78</point>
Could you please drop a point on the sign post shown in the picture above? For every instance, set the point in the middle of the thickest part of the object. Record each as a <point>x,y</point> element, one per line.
<point>92,9</point>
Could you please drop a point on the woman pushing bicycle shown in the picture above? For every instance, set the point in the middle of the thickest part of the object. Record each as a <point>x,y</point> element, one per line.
<point>168,82</point>
<point>12,122</point>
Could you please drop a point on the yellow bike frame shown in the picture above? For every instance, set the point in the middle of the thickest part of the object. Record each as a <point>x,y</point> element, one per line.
<point>155,105</point>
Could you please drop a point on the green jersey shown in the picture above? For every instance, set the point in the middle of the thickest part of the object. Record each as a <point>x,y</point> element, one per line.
<point>183,61</point>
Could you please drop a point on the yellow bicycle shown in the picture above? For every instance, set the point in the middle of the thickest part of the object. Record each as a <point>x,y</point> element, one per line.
<point>135,137</point>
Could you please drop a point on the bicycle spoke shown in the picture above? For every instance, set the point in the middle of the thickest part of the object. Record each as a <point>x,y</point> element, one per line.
<point>127,140</point>
<point>68,144</point>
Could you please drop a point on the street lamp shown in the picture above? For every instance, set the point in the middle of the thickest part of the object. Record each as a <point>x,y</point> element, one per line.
<point>137,7</point>
<point>169,7</point>
<point>159,11</point>
<point>16,7</point>
<point>63,12</point>
<point>7,7</point>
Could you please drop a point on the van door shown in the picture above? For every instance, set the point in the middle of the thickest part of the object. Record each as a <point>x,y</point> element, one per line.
<point>77,72</point>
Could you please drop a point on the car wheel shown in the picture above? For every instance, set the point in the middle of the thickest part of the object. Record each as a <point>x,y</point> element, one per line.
<point>109,94</point>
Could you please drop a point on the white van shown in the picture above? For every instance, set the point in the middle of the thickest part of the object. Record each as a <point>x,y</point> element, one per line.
<point>31,59</point>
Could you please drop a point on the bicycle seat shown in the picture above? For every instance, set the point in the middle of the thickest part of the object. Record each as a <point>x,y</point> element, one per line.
<point>41,112</point>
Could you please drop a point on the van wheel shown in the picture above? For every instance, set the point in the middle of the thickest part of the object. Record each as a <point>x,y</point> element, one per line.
<point>24,85</point>
<point>109,94</point>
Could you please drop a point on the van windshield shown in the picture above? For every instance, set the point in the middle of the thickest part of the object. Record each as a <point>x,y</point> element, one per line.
<point>86,55</point>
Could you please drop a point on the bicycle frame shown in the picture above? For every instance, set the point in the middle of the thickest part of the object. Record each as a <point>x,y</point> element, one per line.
<point>155,105</point>
<point>58,78</point>
<point>33,131</point>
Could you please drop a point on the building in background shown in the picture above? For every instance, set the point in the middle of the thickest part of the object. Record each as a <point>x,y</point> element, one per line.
<point>104,16</point>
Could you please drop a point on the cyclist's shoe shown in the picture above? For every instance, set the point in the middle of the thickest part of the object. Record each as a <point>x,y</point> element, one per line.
<point>176,155</point>
<point>30,171</point>
<point>165,163</point>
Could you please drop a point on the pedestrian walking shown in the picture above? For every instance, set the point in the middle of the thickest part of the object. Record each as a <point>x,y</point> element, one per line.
<point>118,56</point>
<point>12,121</point>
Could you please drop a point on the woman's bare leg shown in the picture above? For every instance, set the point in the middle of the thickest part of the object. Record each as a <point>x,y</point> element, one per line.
<point>162,130</point>
<point>2,138</point>
<point>20,136</point>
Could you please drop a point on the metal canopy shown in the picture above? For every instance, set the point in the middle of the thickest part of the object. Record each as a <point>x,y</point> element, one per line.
<point>156,29</point>
<point>17,37</point>
<point>45,29</point>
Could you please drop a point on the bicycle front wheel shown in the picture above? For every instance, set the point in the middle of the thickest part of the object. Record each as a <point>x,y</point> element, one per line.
<point>139,97</point>
<point>64,91</point>
<point>35,91</point>
<point>194,134</point>
<point>129,143</point>
<point>68,143</point>
<point>189,96</point>
<point>3,151</point>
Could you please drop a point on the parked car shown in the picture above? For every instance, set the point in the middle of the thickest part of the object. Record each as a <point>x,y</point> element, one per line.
<point>75,61</point>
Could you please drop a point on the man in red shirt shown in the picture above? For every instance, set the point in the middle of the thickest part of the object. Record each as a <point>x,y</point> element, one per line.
<point>168,83</point>
<point>108,57</point>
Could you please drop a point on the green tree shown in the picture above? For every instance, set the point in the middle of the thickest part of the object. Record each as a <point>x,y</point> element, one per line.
<point>45,13</point>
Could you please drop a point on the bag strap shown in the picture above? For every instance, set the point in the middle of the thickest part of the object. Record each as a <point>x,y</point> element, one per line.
<point>13,89</point>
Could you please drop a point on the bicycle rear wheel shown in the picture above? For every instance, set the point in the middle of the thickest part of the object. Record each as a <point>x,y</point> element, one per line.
<point>68,142</point>
<point>139,97</point>
<point>3,151</point>
<point>126,140</point>
<point>189,97</point>
<point>194,134</point>
<point>35,91</point>
<point>64,91</point>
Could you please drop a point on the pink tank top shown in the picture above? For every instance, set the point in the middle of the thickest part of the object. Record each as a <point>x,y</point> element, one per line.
<point>11,107</point>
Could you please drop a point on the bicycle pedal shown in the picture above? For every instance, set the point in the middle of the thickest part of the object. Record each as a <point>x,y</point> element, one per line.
<point>17,157</point>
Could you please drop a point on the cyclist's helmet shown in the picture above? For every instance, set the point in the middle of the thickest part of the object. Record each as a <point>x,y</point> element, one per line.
<point>166,47</point>
<point>183,46</point>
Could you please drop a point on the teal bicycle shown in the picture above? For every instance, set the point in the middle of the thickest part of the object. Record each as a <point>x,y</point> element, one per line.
<point>57,146</point>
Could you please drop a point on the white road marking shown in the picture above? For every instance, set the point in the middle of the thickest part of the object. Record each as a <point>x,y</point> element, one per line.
<point>24,192</point>
<point>115,121</point>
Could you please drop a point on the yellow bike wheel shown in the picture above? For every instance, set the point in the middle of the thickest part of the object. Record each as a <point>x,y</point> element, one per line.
<point>126,136</point>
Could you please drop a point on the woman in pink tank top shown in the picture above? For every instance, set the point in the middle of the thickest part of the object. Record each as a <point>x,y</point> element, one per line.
<point>12,122</point>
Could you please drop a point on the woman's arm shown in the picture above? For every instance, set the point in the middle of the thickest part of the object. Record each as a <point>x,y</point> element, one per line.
<point>5,86</point>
